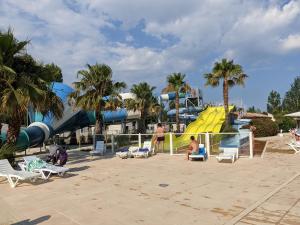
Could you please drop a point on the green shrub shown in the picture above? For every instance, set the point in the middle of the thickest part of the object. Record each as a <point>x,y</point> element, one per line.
<point>264,127</point>
<point>285,123</point>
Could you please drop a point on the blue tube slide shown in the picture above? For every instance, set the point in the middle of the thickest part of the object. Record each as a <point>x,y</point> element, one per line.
<point>42,128</point>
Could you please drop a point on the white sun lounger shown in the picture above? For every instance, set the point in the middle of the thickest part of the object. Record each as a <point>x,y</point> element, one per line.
<point>45,172</point>
<point>127,153</point>
<point>13,176</point>
<point>143,152</point>
<point>295,146</point>
<point>100,148</point>
<point>228,153</point>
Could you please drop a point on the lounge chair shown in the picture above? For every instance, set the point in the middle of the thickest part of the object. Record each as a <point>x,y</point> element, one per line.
<point>46,171</point>
<point>202,153</point>
<point>295,146</point>
<point>100,148</point>
<point>127,152</point>
<point>13,176</point>
<point>228,153</point>
<point>145,151</point>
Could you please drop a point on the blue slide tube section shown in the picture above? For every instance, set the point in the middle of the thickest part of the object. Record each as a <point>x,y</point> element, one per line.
<point>45,127</point>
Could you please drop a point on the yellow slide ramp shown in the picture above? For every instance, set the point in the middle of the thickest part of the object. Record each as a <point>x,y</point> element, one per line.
<point>210,120</point>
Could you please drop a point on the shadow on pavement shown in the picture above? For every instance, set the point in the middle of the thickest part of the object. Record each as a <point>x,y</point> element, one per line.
<point>33,222</point>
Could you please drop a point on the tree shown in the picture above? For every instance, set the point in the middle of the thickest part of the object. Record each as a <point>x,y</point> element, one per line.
<point>291,101</point>
<point>23,83</point>
<point>144,102</point>
<point>97,91</point>
<point>230,75</point>
<point>177,84</point>
<point>274,103</point>
<point>54,71</point>
<point>252,109</point>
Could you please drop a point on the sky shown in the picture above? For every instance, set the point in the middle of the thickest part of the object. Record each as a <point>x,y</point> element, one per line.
<point>143,40</point>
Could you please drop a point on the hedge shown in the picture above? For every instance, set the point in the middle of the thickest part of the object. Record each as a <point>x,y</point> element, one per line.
<point>264,127</point>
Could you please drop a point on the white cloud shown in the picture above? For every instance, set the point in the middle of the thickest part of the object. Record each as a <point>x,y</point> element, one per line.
<point>292,42</point>
<point>249,31</point>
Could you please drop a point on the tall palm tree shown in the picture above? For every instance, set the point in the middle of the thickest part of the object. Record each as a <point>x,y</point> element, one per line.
<point>144,102</point>
<point>230,75</point>
<point>22,83</point>
<point>97,91</point>
<point>177,84</point>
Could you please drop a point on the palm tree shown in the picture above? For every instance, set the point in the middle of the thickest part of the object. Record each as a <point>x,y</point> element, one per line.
<point>97,91</point>
<point>144,102</point>
<point>231,74</point>
<point>176,84</point>
<point>23,84</point>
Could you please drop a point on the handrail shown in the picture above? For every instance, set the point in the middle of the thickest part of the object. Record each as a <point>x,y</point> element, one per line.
<point>231,133</point>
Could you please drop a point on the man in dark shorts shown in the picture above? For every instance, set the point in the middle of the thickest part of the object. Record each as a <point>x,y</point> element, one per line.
<point>160,137</point>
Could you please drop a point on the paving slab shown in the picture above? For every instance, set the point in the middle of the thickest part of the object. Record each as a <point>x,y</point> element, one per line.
<point>163,189</point>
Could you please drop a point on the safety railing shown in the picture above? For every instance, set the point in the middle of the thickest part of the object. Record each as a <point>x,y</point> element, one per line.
<point>178,143</point>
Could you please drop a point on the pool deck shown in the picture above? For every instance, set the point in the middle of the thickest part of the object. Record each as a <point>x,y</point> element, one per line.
<point>111,191</point>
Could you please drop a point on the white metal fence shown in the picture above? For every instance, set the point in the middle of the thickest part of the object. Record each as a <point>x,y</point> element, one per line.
<point>177,143</point>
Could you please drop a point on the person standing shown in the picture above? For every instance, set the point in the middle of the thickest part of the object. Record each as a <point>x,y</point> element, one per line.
<point>159,137</point>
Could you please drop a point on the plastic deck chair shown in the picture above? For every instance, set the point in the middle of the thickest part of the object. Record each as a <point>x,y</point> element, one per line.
<point>100,148</point>
<point>45,172</point>
<point>228,153</point>
<point>295,146</point>
<point>202,153</point>
<point>145,151</point>
<point>13,176</point>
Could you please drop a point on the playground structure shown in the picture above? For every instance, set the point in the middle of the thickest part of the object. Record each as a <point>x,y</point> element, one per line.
<point>193,102</point>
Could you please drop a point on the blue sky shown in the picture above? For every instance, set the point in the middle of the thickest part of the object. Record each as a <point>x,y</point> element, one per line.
<point>147,40</point>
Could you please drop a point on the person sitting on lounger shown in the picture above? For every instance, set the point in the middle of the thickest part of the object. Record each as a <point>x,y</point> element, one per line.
<point>193,148</point>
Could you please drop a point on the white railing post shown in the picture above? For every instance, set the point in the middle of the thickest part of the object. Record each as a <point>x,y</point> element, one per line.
<point>171,143</point>
<point>251,144</point>
<point>113,143</point>
<point>207,143</point>
<point>140,140</point>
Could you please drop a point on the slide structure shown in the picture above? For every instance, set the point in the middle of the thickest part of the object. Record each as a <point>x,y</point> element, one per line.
<point>210,120</point>
<point>44,127</point>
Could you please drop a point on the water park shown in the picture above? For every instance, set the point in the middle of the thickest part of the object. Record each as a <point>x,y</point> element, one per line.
<point>102,149</point>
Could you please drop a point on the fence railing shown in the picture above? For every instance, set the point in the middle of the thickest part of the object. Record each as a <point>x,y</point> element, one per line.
<point>178,143</point>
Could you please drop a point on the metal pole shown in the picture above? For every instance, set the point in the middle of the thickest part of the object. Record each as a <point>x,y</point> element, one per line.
<point>171,143</point>
<point>251,144</point>
<point>207,143</point>
<point>140,140</point>
<point>94,138</point>
<point>160,113</point>
<point>113,143</point>
<point>79,139</point>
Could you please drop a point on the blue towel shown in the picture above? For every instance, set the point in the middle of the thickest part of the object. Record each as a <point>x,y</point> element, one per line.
<point>201,151</point>
<point>124,149</point>
<point>143,150</point>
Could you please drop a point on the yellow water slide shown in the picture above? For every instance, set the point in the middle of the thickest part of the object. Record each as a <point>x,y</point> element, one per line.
<point>210,120</point>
